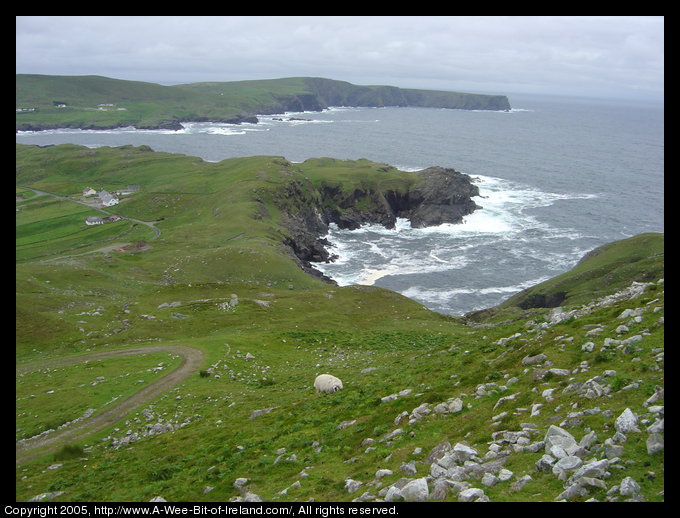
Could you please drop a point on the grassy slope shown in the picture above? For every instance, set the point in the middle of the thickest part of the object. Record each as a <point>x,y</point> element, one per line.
<point>220,237</point>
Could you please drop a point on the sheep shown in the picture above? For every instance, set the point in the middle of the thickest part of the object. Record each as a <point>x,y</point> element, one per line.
<point>327,383</point>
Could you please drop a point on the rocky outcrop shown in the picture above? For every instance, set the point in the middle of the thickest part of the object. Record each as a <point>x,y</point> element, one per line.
<point>439,195</point>
<point>444,196</point>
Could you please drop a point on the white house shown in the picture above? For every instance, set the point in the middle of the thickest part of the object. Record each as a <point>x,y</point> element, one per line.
<point>94,220</point>
<point>107,199</point>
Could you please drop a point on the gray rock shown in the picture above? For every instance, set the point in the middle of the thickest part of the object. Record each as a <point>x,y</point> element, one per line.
<point>470,495</point>
<point>49,496</point>
<point>383,473</point>
<point>595,469</point>
<point>566,464</point>
<point>464,452</point>
<point>408,468</point>
<point>533,360</point>
<point>393,494</point>
<point>557,440</point>
<point>654,443</point>
<point>440,488</point>
<point>352,486</point>
<point>521,482</point>
<point>258,413</point>
<point>627,422</point>
<point>415,491</point>
<point>573,491</point>
<point>504,475</point>
<point>438,451</point>
<point>489,479</point>
<point>455,405</point>
<point>629,487</point>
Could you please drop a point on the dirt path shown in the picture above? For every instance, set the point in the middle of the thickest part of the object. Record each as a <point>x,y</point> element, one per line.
<point>191,361</point>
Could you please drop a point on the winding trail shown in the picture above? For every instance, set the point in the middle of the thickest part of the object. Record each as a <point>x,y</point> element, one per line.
<point>191,360</point>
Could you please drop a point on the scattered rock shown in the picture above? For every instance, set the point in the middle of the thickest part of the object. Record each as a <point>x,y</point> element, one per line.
<point>415,491</point>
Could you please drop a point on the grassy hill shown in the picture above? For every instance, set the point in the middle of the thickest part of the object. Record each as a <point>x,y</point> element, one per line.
<point>44,101</point>
<point>218,279</point>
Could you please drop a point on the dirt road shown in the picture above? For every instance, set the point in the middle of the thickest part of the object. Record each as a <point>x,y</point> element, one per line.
<point>191,361</point>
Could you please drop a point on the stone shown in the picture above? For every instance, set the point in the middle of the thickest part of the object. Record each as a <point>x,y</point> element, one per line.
<point>533,360</point>
<point>352,486</point>
<point>504,475</point>
<point>449,460</point>
<point>438,451</point>
<point>566,464</point>
<point>557,439</point>
<point>629,487</point>
<point>489,479</point>
<point>627,422</point>
<point>654,443</point>
<point>393,494</point>
<point>464,452</point>
<point>49,496</point>
<point>470,495</point>
<point>240,482</point>
<point>415,491</point>
<point>455,405</point>
<point>521,482</point>
<point>408,468</point>
<point>595,469</point>
<point>382,473</point>
<point>440,488</point>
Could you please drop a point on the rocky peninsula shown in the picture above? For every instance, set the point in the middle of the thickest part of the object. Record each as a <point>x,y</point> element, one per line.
<point>436,195</point>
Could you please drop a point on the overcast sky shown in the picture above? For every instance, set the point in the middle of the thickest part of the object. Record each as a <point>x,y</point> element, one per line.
<point>612,57</point>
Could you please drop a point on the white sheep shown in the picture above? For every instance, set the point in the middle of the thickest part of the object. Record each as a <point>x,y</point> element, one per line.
<point>327,383</point>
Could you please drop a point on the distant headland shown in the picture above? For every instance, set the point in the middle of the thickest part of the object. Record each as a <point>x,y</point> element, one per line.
<point>94,102</point>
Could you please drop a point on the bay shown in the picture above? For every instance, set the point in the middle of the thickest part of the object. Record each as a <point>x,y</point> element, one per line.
<point>557,177</point>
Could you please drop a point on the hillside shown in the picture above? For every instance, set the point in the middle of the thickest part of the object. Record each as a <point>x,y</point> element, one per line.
<point>523,404</point>
<point>95,102</point>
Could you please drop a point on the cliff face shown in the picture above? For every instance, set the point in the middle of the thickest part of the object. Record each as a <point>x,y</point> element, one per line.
<point>439,195</point>
<point>330,92</point>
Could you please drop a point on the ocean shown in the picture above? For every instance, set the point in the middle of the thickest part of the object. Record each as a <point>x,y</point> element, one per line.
<point>557,177</point>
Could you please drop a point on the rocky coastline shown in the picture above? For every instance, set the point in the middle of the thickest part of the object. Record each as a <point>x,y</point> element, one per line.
<point>440,195</point>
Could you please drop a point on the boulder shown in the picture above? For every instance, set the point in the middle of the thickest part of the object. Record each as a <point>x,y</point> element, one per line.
<point>471,495</point>
<point>560,443</point>
<point>627,422</point>
<point>415,491</point>
<point>629,487</point>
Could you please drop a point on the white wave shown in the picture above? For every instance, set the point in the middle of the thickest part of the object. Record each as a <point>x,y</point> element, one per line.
<point>443,296</point>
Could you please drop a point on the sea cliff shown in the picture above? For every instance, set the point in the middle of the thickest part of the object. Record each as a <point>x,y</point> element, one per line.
<point>93,102</point>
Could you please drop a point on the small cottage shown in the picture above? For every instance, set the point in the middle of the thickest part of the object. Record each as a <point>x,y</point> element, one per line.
<point>89,191</point>
<point>107,199</point>
<point>94,220</point>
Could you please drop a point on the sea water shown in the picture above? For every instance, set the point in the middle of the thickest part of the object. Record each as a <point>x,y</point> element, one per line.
<point>557,177</point>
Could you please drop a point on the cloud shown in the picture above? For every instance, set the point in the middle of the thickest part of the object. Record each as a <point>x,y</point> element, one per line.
<point>564,55</point>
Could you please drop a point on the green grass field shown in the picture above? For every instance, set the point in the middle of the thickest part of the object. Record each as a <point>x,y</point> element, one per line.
<point>218,280</point>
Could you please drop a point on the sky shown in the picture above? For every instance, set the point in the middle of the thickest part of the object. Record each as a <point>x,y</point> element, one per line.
<point>615,57</point>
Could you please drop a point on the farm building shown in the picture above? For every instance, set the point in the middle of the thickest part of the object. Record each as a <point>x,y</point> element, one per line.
<point>107,199</point>
<point>94,220</point>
